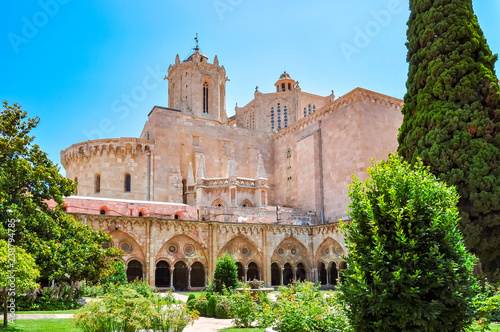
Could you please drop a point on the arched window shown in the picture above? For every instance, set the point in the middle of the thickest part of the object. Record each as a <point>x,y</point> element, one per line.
<point>314,108</point>
<point>305,112</point>
<point>309,109</point>
<point>205,97</point>
<point>127,182</point>
<point>97,183</point>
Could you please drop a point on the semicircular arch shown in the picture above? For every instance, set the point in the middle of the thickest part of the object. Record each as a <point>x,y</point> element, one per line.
<point>291,250</point>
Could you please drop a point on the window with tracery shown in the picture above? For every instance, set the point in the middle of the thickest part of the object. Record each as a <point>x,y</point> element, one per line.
<point>205,97</point>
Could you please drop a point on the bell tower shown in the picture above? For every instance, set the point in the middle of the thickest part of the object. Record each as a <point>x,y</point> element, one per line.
<point>198,87</point>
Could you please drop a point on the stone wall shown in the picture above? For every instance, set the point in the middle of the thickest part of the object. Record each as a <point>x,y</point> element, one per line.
<point>187,245</point>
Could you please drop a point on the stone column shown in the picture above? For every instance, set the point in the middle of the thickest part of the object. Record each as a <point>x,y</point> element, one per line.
<point>281,276</point>
<point>315,274</point>
<point>295,273</point>
<point>338,275</point>
<point>245,271</point>
<point>261,276</point>
<point>172,278</point>
<point>189,277</point>
<point>327,277</point>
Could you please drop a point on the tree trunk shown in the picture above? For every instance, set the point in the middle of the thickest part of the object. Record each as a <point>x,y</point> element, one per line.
<point>5,319</point>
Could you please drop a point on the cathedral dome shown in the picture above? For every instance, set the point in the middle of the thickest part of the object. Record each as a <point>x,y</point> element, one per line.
<point>285,83</point>
<point>285,76</point>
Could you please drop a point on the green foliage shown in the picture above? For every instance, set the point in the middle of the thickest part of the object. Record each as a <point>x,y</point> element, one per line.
<point>301,307</point>
<point>18,271</point>
<point>487,305</point>
<point>407,269</point>
<point>117,273</point>
<point>226,273</point>
<point>64,249</point>
<point>452,115</point>
<point>211,304</point>
<point>201,307</point>
<point>191,304</point>
<point>191,297</point>
<point>243,307</point>
<point>131,311</point>
<point>60,297</point>
<point>222,309</point>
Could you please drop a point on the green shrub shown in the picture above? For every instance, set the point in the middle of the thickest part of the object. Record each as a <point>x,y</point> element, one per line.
<point>226,273</point>
<point>243,307</point>
<point>201,307</point>
<point>116,275</point>
<point>407,268</point>
<point>301,307</point>
<point>211,304</point>
<point>131,311</point>
<point>191,297</point>
<point>61,297</point>
<point>222,310</point>
<point>191,304</point>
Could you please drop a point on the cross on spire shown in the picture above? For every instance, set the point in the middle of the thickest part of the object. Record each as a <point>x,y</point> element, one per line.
<point>196,40</point>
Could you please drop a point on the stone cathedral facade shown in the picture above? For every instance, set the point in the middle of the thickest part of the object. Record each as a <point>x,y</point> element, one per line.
<point>267,185</point>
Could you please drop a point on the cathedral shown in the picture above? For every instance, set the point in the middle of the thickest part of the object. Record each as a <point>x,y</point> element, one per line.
<point>267,185</point>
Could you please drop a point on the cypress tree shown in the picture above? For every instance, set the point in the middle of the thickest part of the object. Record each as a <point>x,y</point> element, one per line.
<point>452,115</point>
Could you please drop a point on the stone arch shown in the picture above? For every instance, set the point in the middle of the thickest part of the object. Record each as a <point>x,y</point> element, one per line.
<point>301,273</point>
<point>246,203</point>
<point>292,251</point>
<point>131,248</point>
<point>329,250</point>
<point>162,274</point>
<point>253,271</point>
<point>183,247</point>
<point>275,274</point>
<point>180,281</point>
<point>197,279</point>
<point>218,203</point>
<point>243,250</point>
<point>241,271</point>
<point>134,270</point>
<point>287,274</point>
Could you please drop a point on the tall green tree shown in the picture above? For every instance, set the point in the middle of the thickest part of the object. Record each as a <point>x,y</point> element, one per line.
<point>226,273</point>
<point>18,272</point>
<point>407,268</point>
<point>63,248</point>
<point>452,115</point>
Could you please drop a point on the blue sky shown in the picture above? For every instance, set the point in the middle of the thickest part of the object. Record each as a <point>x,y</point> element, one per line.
<point>94,68</point>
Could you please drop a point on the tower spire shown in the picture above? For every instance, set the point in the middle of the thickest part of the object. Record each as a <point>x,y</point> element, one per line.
<point>197,48</point>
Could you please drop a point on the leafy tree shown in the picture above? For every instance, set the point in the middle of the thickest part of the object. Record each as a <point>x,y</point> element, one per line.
<point>63,248</point>
<point>18,272</point>
<point>117,274</point>
<point>407,268</point>
<point>226,273</point>
<point>452,115</point>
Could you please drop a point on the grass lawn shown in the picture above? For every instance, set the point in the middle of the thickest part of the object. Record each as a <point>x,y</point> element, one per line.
<point>234,329</point>
<point>495,327</point>
<point>41,325</point>
<point>72,311</point>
